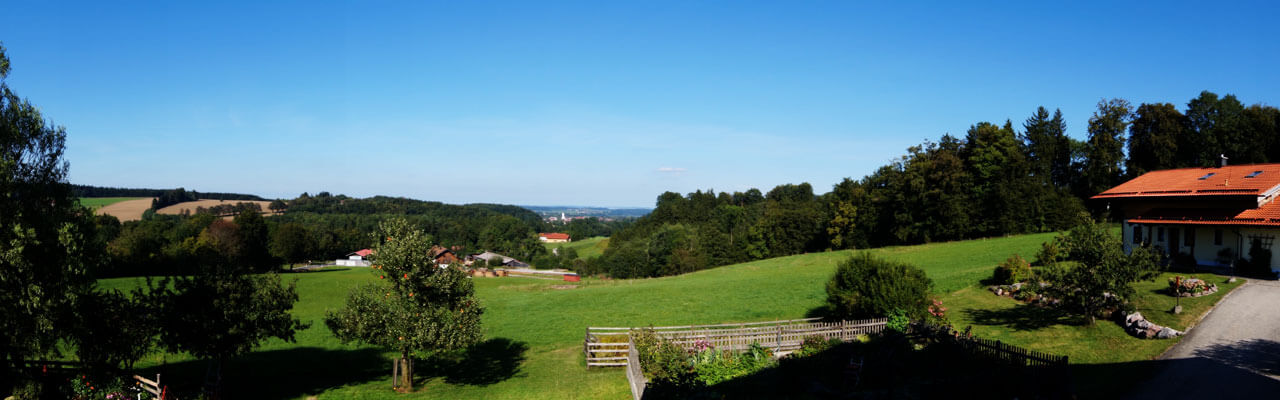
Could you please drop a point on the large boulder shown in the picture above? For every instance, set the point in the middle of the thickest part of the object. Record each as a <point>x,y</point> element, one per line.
<point>1131,318</point>
<point>1167,333</point>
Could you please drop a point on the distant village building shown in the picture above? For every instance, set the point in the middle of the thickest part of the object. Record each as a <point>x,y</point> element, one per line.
<point>506,261</point>
<point>359,258</point>
<point>554,237</point>
<point>443,256</point>
<point>1215,215</point>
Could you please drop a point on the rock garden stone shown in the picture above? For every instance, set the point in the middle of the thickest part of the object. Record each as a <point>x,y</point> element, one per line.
<point>1138,326</point>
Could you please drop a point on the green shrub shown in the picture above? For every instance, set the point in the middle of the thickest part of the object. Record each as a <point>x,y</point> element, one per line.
<point>815,344</point>
<point>898,321</point>
<point>1052,251</point>
<point>1012,270</point>
<point>1259,263</point>
<point>666,364</point>
<point>713,366</point>
<point>869,287</point>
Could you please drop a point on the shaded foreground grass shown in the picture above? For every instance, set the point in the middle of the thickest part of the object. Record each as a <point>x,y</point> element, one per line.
<point>1099,345</point>
<point>95,202</point>
<point>535,327</point>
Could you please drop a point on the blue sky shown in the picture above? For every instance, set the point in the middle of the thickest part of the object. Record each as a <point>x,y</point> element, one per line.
<point>591,103</point>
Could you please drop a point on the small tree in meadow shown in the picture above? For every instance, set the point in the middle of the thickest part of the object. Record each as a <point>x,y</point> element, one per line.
<point>1012,270</point>
<point>1096,274</point>
<point>870,287</point>
<point>416,306</point>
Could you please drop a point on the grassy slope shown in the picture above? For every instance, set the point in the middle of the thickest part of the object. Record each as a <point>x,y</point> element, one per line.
<point>587,248</point>
<point>550,322</point>
<point>95,202</point>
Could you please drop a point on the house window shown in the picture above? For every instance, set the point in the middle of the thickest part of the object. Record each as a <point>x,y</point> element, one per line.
<point>1160,234</point>
<point>1190,238</point>
<point>1217,237</point>
<point>1137,234</point>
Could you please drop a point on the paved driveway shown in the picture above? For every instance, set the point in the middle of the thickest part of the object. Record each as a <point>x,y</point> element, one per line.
<point>1234,353</point>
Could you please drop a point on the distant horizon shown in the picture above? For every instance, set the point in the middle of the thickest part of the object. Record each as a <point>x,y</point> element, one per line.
<point>609,103</point>
<point>344,194</point>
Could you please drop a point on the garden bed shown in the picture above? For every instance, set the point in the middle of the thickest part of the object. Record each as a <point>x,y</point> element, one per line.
<point>1181,286</point>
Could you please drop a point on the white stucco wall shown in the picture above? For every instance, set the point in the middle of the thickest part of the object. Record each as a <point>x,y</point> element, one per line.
<point>1205,251</point>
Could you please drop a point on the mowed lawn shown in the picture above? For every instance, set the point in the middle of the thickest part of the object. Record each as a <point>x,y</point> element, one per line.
<point>95,202</point>
<point>535,327</point>
<point>587,248</point>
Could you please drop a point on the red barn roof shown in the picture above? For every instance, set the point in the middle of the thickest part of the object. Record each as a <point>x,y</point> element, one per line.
<point>555,236</point>
<point>1232,180</point>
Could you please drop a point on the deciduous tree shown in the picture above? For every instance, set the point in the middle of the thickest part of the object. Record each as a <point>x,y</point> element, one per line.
<point>1096,274</point>
<point>1153,139</point>
<point>415,307</point>
<point>46,237</point>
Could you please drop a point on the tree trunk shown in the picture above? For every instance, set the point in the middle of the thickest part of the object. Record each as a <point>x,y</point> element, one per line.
<point>402,374</point>
<point>213,379</point>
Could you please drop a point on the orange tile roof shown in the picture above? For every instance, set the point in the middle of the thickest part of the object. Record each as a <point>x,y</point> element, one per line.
<point>555,236</point>
<point>1266,215</point>
<point>1229,180</point>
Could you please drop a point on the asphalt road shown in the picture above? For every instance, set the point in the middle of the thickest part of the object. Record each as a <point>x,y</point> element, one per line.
<point>1234,353</point>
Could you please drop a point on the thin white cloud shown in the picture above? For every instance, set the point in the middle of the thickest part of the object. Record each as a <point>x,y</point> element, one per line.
<point>671,170</point>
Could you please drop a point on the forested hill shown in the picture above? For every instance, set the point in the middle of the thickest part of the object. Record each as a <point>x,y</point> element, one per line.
<point>998,179</point>
<point>316,227</point>
<point>97,191</point>
<point>325,203</point>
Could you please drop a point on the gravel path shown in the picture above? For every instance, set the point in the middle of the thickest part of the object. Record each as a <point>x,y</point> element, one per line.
<point>1234,353</point>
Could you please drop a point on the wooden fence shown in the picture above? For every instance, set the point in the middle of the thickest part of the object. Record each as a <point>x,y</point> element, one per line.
<point>635,374</point>
<point>151,386</point>
<point>609,347</point>
<point>1010,354</point>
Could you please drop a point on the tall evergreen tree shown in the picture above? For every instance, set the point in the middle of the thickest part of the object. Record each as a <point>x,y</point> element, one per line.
<point>1104,158</point>
<point>1153,139</point>
<point>1048,147</point>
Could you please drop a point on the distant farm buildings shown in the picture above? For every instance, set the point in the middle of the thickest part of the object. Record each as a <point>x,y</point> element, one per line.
<point>487,256</point>
<point>443,256</point>
<point>359,258</point>
<point>554,237</point>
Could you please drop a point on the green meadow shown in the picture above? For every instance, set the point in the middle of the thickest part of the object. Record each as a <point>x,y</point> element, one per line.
<point>535,328</point>
<point>587,248</point>
<point>96,202</point>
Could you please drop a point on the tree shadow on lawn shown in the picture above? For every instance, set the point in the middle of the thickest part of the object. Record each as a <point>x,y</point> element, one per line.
<point>486,363</point>
<point>822,311</point>
<point>1022,317</point>
<point>280,374</point>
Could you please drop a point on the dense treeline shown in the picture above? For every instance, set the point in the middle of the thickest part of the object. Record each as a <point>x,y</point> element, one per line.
<point>230,209</point>
<point>586,228</point>
<point>996,180</point>
<point>319,227</point>
<point>95,191</point>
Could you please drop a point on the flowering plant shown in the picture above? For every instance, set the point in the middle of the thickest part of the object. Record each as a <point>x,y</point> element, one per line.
<point>937,310</point>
